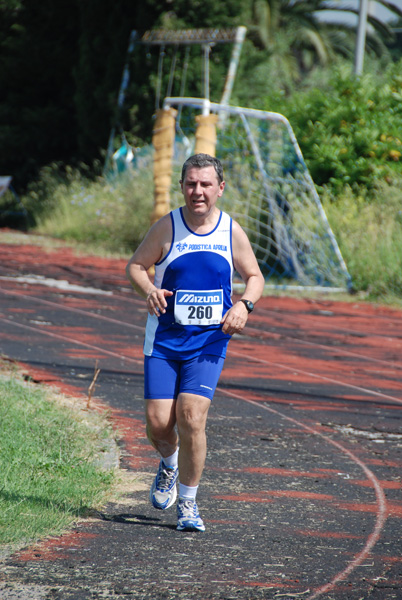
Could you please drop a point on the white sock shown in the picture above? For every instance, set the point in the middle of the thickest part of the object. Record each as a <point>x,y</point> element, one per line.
<point>186,492</point>
<point>171,461</point>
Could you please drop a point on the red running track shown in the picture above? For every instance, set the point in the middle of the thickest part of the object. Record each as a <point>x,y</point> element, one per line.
<point>323,380</point>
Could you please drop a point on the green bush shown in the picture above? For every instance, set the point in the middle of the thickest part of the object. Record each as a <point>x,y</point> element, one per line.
<point>369,233</point>
<point>349,131</point>
<point>113,215</point>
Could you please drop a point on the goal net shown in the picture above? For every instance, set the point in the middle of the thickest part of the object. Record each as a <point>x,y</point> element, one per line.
<point>269,191</point>
<point>268,187</point>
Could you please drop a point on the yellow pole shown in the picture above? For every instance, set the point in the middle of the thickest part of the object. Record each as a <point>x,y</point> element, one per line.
<point>205,135</point>
<point>163,142</point>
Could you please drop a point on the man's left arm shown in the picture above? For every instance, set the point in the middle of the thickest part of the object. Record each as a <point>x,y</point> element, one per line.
<point>246,265</point>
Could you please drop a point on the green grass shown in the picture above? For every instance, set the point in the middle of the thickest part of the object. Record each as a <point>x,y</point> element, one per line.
<point>47,452</point>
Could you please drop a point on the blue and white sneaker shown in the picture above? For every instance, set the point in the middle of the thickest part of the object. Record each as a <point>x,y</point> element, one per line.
<point>188,517</point>
<point>163,489</point>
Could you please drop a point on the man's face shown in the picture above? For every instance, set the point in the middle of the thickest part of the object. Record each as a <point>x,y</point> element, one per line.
<point>201,190</point>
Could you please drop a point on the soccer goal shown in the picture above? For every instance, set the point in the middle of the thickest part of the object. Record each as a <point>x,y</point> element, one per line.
<point>268,187</point>
<point>269,191</point>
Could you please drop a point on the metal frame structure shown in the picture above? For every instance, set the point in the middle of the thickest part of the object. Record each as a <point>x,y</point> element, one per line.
<point>205,105</point>
<point>183,37</point>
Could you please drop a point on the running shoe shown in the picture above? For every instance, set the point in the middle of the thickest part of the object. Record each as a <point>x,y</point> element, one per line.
<point>188,517</point>
<point>163,490</point>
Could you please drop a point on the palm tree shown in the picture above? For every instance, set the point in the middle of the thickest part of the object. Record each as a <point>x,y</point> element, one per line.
<point>297,33</point>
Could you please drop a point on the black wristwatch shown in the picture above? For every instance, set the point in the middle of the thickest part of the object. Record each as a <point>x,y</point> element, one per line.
<point>248,304</point>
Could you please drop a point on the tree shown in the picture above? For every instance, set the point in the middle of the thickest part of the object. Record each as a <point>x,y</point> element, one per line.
<point>60,69</point>
<point>298,35</point>
<point>395,46</point>
<point>104,29</point>
<point>37,49</point>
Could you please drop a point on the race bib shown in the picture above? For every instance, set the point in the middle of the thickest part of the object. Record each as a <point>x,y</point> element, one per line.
<point>198,308</point>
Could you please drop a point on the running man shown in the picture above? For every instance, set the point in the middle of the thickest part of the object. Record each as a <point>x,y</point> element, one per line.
<point>195,250</point>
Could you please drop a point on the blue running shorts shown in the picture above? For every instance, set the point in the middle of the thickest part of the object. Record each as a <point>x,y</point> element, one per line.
<point>165,378</point>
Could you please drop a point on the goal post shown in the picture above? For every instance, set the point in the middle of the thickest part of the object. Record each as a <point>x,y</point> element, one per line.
<point>163,142</point>
<point>205,134</point>
<point>269,190</point>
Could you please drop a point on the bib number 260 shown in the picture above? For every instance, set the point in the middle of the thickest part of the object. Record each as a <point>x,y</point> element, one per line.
<point>198,308</point>
<point>200,312</point>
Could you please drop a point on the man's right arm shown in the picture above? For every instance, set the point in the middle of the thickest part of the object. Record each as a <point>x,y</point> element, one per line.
<point>151,250</point>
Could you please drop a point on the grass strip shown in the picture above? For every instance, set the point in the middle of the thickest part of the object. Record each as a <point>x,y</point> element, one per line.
<point>48,475</point>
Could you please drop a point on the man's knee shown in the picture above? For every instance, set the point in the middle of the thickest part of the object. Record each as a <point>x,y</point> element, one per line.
<point>160,417</point>
<point>191,414</point>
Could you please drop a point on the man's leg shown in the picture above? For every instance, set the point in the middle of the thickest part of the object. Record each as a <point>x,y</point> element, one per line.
<point>191,416</point>
<point>161,420</point>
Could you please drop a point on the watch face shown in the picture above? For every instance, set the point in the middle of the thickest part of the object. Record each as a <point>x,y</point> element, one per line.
<point>249,305</point>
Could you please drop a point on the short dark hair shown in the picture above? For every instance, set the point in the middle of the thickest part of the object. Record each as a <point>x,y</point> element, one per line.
<point>200,161</point>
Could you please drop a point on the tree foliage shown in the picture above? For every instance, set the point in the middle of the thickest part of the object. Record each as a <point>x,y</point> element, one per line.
<point>60,68</point>
<point>349,131</point>
<point>37,50</point>
<point>61,65</point>
<point>298,35</point>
